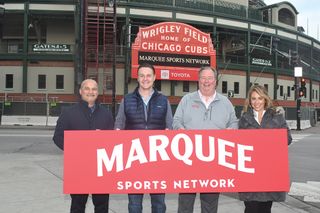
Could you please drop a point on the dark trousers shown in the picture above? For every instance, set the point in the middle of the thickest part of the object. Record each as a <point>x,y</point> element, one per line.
<point>157,203</point>
<point>257,207</point>
<point>100,202</point>
<point>209,202</point>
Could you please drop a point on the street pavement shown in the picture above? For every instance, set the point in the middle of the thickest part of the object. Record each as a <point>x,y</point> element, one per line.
<point>32,183</point>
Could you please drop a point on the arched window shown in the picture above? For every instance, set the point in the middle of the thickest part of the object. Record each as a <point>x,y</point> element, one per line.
<point>286,17</point>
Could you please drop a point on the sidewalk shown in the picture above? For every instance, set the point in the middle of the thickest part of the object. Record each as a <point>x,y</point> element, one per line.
<point>33,184</point>
<point>313,130</point>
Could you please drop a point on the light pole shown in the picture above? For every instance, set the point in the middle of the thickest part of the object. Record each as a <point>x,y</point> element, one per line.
<point>113,3</point>
<point>298,75</point>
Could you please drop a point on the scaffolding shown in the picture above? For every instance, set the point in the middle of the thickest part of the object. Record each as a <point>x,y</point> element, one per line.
<point>99,42</point>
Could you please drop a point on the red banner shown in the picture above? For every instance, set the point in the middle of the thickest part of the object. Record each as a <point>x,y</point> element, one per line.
<point>176,50</point>
<point>171,161</point>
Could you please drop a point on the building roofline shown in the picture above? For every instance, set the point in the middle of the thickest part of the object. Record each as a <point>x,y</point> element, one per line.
<point>278,4</point>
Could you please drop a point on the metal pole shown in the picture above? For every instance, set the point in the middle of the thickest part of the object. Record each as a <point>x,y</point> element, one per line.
<point>248,72</point>
<point>297,87</point>
<point>80,45</point>
<point>114,58</point>
<point>298,113</point>
<point>48,109</point>
<point>25,48</point>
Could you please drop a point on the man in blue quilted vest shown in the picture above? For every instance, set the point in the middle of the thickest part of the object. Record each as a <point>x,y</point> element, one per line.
<point>145,109</point>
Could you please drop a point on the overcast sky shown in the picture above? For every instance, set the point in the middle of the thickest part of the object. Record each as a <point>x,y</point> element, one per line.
<point>308,17</point>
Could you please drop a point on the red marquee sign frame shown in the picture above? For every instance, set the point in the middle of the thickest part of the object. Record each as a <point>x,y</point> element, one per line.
<point>176,50</point>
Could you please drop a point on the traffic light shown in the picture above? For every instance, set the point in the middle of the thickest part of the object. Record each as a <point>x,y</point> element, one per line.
<point>301,93</point>
<point>303,89</point>
<point>295,59</point>
<point>303,83</point>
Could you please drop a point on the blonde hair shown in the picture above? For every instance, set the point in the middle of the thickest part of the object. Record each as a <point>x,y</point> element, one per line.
<point>260,90</point>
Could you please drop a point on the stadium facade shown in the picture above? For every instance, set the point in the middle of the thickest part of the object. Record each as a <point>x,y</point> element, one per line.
<point>47,47</point>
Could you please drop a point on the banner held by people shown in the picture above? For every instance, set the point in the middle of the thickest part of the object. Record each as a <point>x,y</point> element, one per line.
<point>162,161</point>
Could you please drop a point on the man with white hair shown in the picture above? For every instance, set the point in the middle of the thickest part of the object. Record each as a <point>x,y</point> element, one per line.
<point>87,114</point>
<point>204,109</point>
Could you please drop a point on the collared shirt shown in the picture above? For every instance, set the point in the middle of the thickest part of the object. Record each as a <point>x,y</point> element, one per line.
<point>255,114</point>
<point>146,101</point>
<point>208,101</point>
<point>92,108</point>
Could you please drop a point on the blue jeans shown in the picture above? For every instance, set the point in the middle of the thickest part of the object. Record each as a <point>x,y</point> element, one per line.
<point>157,203</point>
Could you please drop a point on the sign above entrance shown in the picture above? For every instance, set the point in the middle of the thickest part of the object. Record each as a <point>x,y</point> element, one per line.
<point>260,61</point>
<point>176,50</point>
<point>51,48</point>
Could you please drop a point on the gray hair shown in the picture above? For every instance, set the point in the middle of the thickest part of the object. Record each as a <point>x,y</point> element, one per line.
<point>215,72</point>
<point>87,80</point>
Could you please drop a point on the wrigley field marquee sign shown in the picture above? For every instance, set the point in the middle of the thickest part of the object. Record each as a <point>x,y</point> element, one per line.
<point>172,161</point>
<point>176,50</point>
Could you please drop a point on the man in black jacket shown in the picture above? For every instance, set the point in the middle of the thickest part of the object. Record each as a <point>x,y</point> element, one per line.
<point>85,115</point>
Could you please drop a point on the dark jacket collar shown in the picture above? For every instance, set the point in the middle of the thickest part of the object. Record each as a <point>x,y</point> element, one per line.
<point>85,104</point>
<point>136,92</point>
<point>249,115</point>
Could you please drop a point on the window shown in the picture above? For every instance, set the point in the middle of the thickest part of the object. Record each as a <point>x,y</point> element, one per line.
<point>42,82</point>
<point>281,90</point>
<point>157,85</point>
<point>60,82</point>
<point>288,91</point>
<point>236,87</point>
<point>224,86</point>
<point>186,86</point>
<point>9,81</point>
<point>13,48</point>
<point>313,94</point>
<point>286,16</point>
